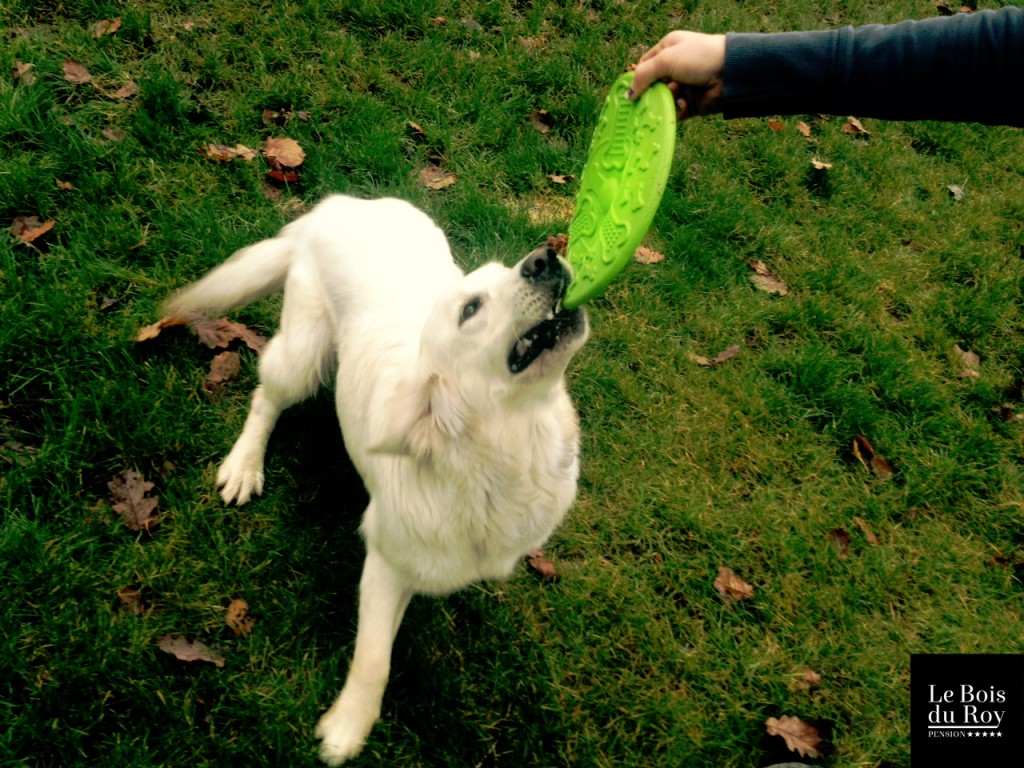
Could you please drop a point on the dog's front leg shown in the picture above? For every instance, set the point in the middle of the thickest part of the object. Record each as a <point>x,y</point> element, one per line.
<point>383,598</point>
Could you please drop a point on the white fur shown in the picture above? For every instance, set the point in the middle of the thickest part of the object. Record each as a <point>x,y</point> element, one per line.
<point>468,466</point>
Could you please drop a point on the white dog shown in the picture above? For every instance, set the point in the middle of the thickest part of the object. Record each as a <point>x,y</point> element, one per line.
<point>451,398</point>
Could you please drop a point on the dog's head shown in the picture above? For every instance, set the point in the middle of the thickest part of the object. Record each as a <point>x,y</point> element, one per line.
<point>497,340</point>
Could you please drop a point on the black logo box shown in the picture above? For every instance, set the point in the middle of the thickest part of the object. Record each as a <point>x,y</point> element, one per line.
<point>967,710</point>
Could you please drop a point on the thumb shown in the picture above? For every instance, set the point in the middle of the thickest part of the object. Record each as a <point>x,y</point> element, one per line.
<point>645,74</point>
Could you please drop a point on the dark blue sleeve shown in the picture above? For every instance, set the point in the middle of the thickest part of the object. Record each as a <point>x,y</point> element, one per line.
<point>967,67</point>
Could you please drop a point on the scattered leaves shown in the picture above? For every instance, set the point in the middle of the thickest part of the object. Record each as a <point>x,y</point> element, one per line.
<point>840,539</point>
<point>776,126</point>
<point>282,117</point>
<point>114,134</point>
<point>800,737</point>
<point>223,368</point>
<point>542,566</point>
<point>283,153</point>
<point>804,129</point>
<point>561,178</point>
<point>131,500</point>
<point>75,72</point>
<point>969,360</point>
<point>215,334</point>
<point>126,91</point>
<point>218,334</point>
<point>183,650</point>
<point>956,191</point>
<point>866,455</point>
<point>764,280</point>
<point>238,618</point>
<point>542,121</point>
<point>647,256</point>
<point>23,73</point>
<point>105,27</point>
<point>731,587</point>
<point>820,165</point>
<point>130,600</point>
<point>869,535</point>
<point>435,177</point>
<point>726,354</point>
<point>222,153</point>
<point>28,229</point>
<point>855,127</point>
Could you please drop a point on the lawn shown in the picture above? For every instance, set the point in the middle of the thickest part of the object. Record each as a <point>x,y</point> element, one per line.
<point>724,425</point>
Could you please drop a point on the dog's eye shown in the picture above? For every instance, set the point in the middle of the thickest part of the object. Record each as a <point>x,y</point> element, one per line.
<point>470,308</point>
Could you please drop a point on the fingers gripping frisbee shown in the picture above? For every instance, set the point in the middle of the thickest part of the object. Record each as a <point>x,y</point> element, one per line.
<point>621,186</point>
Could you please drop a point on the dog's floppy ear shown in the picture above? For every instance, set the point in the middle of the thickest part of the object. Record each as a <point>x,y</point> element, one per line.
<point>423,411</point>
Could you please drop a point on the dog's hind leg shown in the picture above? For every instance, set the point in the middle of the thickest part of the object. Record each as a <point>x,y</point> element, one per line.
<point>292,366</point>
<point>383,598</point>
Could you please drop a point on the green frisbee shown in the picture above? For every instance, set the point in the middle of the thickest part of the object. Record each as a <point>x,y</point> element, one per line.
<point>621,186</point>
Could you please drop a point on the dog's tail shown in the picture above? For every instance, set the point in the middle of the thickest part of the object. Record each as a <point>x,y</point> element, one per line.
<point>249,274</point>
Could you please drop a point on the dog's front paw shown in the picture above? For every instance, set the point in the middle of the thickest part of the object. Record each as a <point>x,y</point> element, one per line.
<point>240,476</point>
<point>343,730</point>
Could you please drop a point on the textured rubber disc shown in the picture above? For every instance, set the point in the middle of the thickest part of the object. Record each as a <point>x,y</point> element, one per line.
<point>621,186</point>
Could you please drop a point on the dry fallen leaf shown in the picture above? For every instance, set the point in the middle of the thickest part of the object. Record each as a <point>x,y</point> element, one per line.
<point>223,369</point>
<point>855,127</point>
<point>956,191</point>
<point>218,334</point>
<point>561,178</point>
<point>222,153</point>
<point>283,153</point>
<point>538,561</point>
<point>152,331</point>
<point>28,229</point>
<point>238,618</point>
<point>868,533</point>
<point>764,280</point>
<point>435,177</point>
<point>105,27</point>
<point>130,600</point>
<point>804,129</point>
<point>866,455</point>
<point>542,121</point>
<point>820,165</point>
<point>23,73</point>
<point>114,134</point>
<point>645,255</point>
<point>131,500</point>
<point>126,91</point>
<point>726,354</point>
<point>183,650</point>
<point>800,737</point>
<point>776,126</point>
<point>75,72</point>
<point>840,539</point>
<point>732,587</point>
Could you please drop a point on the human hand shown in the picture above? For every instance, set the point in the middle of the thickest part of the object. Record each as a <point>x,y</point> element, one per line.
<point>691,63</point>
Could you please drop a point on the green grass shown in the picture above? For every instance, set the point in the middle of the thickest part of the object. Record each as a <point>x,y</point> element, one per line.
<point>632,659</point>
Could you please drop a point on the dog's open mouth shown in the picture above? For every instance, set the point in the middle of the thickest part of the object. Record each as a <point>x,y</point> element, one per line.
<point>544,336</point>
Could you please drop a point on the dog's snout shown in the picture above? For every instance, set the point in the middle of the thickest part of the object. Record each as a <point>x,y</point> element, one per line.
<point>542,264</point>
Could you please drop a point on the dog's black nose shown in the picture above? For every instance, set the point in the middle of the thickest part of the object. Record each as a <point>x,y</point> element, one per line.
<point>542,264</point>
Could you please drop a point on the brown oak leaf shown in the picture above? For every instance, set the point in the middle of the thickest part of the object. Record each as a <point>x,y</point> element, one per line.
<point>28,229</point>
<point>764,280</point>
<point>75,72</point>
<point>183,650</point>
<point>435,177</point>
<point>131,500</point>
<point>800,737</point>
<point>283,153</point>
<point>731,586</point>
<point>238,618</point>
<point>866,455</point>
<point>542,566</point>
